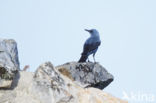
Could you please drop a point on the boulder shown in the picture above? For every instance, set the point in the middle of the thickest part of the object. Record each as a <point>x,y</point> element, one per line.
<point>9,63</point>
<point>49,86</point>
<point>87,74</point>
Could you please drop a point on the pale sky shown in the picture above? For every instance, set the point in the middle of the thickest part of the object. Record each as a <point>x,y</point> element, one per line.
<point>53,30</point>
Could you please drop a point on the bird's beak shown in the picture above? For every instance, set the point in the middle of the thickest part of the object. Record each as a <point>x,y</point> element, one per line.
<point>87,30</point>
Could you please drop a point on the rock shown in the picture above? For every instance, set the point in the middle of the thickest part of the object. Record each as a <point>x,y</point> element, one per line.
<point>48,85</point>
<point>69,83</point>
<point>9,63</point>
<point>87,74</point>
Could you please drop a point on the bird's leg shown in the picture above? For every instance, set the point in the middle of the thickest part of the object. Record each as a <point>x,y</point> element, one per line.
<point>94,58</point>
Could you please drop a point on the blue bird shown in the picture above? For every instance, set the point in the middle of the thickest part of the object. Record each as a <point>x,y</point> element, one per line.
<point>91,45</point>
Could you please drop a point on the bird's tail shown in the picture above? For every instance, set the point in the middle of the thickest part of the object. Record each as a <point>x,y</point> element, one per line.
<point>83,58</point>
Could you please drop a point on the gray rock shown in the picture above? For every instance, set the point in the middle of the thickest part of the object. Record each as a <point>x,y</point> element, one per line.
<point>9,63</point>
<point>87,74</point>
<point>48,85</point>
<point>48,82</point>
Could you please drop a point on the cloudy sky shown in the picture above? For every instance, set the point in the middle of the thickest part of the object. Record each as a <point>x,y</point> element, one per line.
<point>53,30</point>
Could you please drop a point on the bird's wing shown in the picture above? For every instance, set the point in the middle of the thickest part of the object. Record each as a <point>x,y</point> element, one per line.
<point>90,47</point>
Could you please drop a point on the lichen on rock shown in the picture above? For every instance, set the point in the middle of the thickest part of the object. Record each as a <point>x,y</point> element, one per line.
<point>87,74</point>
<point>48,85</point>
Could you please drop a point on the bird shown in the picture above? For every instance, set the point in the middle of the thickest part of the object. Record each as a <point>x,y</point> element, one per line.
<point>91,45</point>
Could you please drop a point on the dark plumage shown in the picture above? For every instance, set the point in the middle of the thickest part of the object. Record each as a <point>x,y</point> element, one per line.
<point>91,45</point>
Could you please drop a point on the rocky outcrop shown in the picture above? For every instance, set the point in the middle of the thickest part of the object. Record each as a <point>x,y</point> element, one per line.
<point>9,63</point>
<point>87,74</point>
<point>49,84</point>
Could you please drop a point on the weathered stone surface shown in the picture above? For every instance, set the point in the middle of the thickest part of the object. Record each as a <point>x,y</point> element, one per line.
<point>64,84</point>
<point>87,74</point>
<point>9,63</point>
<point>47,82</point>
<point>48,85</point>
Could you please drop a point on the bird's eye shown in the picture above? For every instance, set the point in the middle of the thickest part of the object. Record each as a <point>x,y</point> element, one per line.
<point>91,31</point>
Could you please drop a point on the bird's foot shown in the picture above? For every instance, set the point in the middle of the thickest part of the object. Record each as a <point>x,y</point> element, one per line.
<point>96,62</point>
<point>89,61</point>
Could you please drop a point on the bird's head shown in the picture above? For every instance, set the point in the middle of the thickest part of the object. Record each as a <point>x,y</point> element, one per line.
<point>93,32</point>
